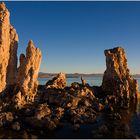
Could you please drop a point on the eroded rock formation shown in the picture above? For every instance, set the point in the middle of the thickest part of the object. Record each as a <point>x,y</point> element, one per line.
<point>117,79</point>
<point>27,82</point>
<point>26,77</point>
<point>12,64</point>
<point>8,49</point>
<point>58,82</point>
<point>4,44</point>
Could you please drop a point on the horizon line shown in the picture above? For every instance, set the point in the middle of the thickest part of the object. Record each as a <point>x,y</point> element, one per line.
<point>78,73</point>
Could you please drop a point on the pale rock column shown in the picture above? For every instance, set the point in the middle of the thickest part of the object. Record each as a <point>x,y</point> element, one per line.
<point>27,82</point>
<point>117,79</point>
<point>4,44</point>
<point>12,64</point>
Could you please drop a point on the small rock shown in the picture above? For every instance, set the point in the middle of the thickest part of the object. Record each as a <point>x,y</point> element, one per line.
<point>76,127</point>
<point>75,85</point>
<point>9,116</point>
<point>34,137</point>
<point>16,126</point>
<point>6,118</point>
<point>59,112</point>
<point>25,135</point>
<point>69,105</point>
<point>42,111</point>
<point>117,116</point>
<point>103,129</point>
<point>51,125</point>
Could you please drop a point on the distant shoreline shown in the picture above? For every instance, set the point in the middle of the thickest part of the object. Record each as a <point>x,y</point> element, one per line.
<point>68,75</point>
<point>75,75</point>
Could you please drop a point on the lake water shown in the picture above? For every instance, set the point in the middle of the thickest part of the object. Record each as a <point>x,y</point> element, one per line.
<point>96,81</point>
<point>92,81</point>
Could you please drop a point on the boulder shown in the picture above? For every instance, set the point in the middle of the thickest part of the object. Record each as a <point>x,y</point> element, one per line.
<point>5,117</point>
<point>58,82</point>
<point>42,111</point>
<point>76,127</point>
<point>59,112</point>
<point>19,100</point>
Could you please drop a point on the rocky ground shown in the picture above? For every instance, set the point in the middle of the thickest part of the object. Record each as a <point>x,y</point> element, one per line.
<point>58,107</point>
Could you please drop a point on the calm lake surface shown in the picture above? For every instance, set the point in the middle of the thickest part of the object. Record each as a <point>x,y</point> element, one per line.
<point>96,81</point>
<point>92,81</point>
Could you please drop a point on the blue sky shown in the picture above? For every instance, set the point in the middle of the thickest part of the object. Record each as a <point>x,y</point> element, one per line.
<point>74,35</point>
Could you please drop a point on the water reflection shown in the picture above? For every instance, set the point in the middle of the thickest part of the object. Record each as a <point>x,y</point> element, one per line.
<point>123,123</point>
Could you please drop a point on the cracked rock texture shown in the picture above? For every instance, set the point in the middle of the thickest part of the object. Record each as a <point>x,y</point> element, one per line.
<point>8,49</point>
<point>58,82</point>
<point>4,44</point>
<point>28,73</point>
<point>117,79</point>
<point>12,64</point>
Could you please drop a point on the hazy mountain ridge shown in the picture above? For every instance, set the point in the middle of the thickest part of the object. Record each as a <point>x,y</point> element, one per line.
<point>75,75</point>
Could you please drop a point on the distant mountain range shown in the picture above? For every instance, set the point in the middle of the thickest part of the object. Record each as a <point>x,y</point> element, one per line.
<point>75,75</point>
<point>68,75</point>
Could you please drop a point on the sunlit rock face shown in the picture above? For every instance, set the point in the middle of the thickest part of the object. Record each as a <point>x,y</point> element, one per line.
<point>12,64</point>
<point>117,79</point>
<point>8,49</point>
<point>58,82</point>
<point>4,44</point>
<point>25,78</point>
<point>28,73</point>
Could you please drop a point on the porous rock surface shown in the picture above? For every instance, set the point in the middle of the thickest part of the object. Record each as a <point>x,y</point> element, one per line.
<point>4,44</point>
<point>12,64</point>
<point>117,79</point>
<point>8,49</point>
<point>27,82</point>
<point>58,82</point>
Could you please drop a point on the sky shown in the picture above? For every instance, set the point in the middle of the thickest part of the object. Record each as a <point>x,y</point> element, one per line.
<point>73,35</point>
